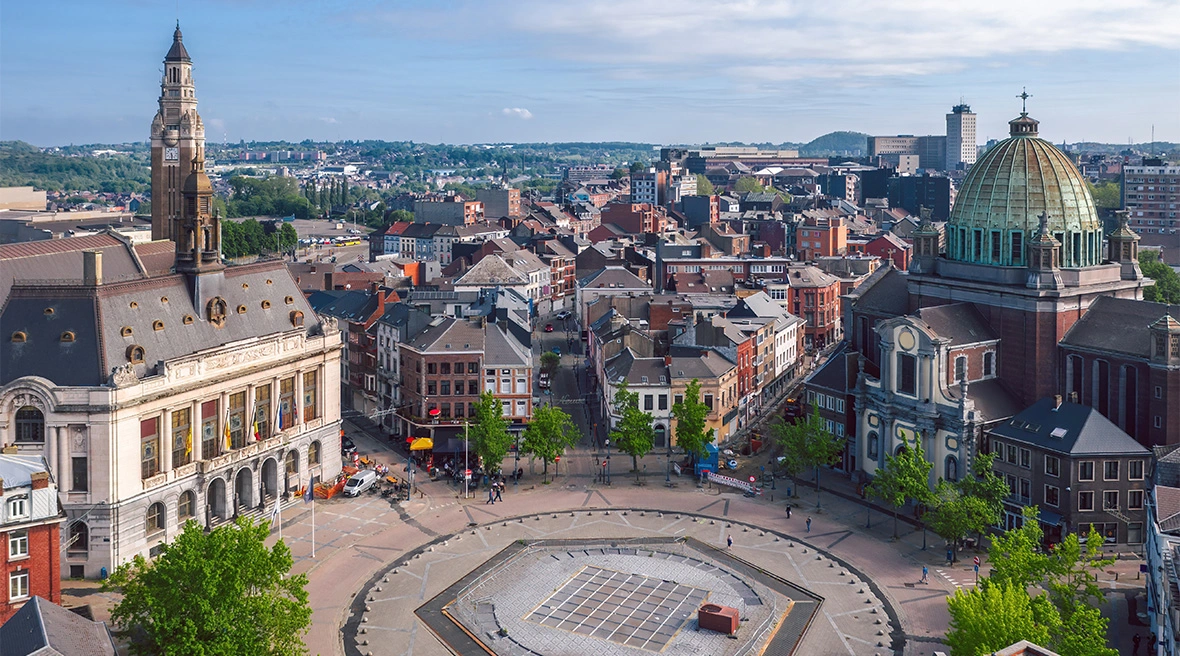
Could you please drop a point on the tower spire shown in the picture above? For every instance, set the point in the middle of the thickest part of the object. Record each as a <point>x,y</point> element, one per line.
<point>1024,96</point>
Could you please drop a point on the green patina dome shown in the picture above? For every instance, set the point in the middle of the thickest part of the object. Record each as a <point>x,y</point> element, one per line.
<point>997,208</point>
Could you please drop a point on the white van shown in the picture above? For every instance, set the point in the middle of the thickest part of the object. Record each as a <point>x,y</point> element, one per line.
<point>359,482</point>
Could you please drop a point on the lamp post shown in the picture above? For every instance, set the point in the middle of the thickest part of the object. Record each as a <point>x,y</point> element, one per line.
<point>608,461</point>
<point>668,474</point>
<point>466,465</point>
<point>515,478</point>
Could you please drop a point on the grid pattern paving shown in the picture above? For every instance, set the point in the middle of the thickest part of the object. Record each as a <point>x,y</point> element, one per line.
<point>629,609</point>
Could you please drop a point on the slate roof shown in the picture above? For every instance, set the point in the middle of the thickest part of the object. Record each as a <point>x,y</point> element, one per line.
<point>627,365</point>
<point>492,270</point>
<point>884,292</point>
<point>61,259</point>
<point>177,52</point>
<point>449,334</point>
<point>98,315</point>
<point>502,349</point>
<point>1082,429</point>
<point>759,304</point>
<point>613,276</point>
<point>1167,502</point>
<point>42,628</point>
<point>959,322</point>
<point>346,304</point>
<point>832,375</point>
<point>992,399</point>
<point>17,470</point>
<point>808,276</point>
<point>704,364</point>
<point>1118,325</point>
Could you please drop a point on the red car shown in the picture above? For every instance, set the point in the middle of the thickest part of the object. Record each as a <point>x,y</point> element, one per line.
<point>548,327</point>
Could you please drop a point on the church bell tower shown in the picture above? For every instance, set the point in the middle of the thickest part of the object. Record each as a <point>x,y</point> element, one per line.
<point>178,137</point>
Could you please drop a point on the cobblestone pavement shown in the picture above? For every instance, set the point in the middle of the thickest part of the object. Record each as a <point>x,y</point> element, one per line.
<point>357,539</point>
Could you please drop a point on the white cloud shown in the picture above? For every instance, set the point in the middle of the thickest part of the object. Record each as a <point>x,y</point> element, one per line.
<point>774,40</point>
<point>517,112</point>
<point>329,120</point>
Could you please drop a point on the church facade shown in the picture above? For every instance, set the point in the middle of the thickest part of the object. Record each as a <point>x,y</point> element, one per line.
<point>967,338</point>
<point>188,391</point>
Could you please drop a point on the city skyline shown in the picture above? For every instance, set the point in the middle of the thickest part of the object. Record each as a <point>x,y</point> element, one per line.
<point>606,72</point>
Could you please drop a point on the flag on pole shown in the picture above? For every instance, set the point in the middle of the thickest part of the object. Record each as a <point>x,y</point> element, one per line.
<point>188,442</point>
<point>228,441</point>
<point>309,495</point>
<point>279,416</point>
<point>257,435</point>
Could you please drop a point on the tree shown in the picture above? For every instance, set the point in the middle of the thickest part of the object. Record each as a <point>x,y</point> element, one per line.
<point>549,434</point>
<point>634,434</point>
<point>990,618</point>
<point>638,166</point>
<point>806,444</point>
<point>222,592</point>
<point>748,184</point>
<point>690,415</point>
<point>550,361</point>
<point>704,187</point>
<point>904,478</point>
<point>489,432</point>
<point>1107,195</point>
<point>969,505</point>
<point>1167,284</point>
<point>404,216</point>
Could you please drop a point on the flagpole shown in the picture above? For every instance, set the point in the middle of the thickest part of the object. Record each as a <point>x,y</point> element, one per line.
<point>312,492</point>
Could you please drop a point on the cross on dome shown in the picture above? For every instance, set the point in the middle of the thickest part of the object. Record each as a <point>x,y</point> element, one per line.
<point>1024,96</point>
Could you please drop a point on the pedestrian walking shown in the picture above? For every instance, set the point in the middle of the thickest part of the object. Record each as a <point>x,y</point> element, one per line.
<point>729,542</point>
<point>925,575</point>
<point>499,488</point>
<point>788,511</point>
<point>491,497</point>
<point>950,556</point>
<point>1135,643</point>
<point>809,524</point>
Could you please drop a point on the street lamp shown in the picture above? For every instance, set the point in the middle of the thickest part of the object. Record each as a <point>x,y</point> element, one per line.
<point>668,474</point>
<point>608,461</point>
<point>515,476</point>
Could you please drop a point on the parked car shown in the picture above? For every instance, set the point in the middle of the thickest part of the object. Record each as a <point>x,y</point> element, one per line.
<point>545,382</point>
<point>548,327</point>
<point>359,482</point>
<point>564,314</point>
<point>347,446</point>
<point>557,350</point>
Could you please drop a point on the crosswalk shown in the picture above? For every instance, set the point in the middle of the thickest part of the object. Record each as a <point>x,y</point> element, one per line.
<point>950,576</point>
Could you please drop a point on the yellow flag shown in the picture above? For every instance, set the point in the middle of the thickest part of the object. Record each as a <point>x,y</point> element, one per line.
<point>188,443</point>
<point>228,443</point>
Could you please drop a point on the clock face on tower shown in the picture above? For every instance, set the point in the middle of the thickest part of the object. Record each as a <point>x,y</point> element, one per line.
<point>171,154</point>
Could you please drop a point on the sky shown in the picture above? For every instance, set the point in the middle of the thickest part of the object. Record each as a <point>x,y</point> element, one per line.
<point>654,71</point>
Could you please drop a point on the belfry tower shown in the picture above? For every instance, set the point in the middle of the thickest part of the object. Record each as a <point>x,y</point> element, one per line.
<point>178,139</point>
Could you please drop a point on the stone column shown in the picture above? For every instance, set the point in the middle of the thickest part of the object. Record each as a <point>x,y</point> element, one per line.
<point>196,424</point>
<point>51,446</point>
<point>166,442</point>
<point>63,457</point>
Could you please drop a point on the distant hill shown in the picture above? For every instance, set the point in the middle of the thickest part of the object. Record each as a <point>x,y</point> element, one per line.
<point>1167,149</point>
<point>836,143</point>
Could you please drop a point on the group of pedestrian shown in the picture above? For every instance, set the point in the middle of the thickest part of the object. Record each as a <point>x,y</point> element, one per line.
<point>494,492</point>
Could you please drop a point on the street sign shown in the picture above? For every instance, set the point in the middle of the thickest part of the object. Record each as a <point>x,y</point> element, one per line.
<point>977,569</point>
<point>977,563</point>
<point>752,479</point>
<point>467,474</point>
<point>733,482</point>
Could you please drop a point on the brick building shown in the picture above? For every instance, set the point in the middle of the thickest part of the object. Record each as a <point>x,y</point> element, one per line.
<point>30,530</point>
<point>635,218</point>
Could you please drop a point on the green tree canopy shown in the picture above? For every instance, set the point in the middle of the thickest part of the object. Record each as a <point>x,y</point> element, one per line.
<point>273,196</point>
<point>404,216</point>
<point>805,444</point>
<point>704,187</point>
<point>987,619</point>
<point>691,415</point>
<point>549,434</point>
<point>222,592</point>
<point>969,505</point>
<point>550,361</point>
<point>634,434</point>
<point>1107,195</point>
<point>904,478</point>
<point>489,432</point>
<point>1167,284</point>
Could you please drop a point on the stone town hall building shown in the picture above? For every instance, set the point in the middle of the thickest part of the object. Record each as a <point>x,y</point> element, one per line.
<point>1029,300</point>
<point>161,385</point>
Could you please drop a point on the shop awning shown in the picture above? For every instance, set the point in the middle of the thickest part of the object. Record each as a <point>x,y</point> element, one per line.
<point>422,444</point>
<point>1050,518</point>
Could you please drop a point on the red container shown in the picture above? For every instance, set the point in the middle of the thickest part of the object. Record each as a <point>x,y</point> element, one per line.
<point>721,619</point>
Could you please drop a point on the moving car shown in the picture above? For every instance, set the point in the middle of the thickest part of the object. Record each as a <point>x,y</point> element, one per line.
<point>557,350</point>
<point>545,382</point>
<point>564,314</point>
<point>548,327</point>
<point>359,482</point>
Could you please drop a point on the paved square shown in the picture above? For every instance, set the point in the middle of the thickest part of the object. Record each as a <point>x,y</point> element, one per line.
<point>630,609</point>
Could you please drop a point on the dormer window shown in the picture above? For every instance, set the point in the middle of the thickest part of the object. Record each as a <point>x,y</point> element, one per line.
<point>135,354</point>
<point>19,337</point>
<point>215,311</point>
<point>297,318</point>
<point>126,331</point>
<point>67,336</point>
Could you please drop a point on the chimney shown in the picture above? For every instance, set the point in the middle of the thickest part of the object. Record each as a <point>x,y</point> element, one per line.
<point>1073,397</point>
<point>40,480</point>
<point>91,268</point>
<point>667,361</point>
<point>328,281</point>
<point>1056,402</point>
<point>1,487</point>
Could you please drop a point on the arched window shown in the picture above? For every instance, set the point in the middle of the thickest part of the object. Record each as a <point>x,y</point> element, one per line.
<point>874,445</point>
<point>661,433</point>
<point>313,454</point>
<point>155,518</point>
<point>184,507</point>
<point>952,469</point>
<point>292,462</point>
<point>960,368</point>
<point>30,425</point>
<point>79,540</point>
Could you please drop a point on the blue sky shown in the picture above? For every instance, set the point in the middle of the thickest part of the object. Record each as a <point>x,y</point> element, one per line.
<point>676,71</point>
